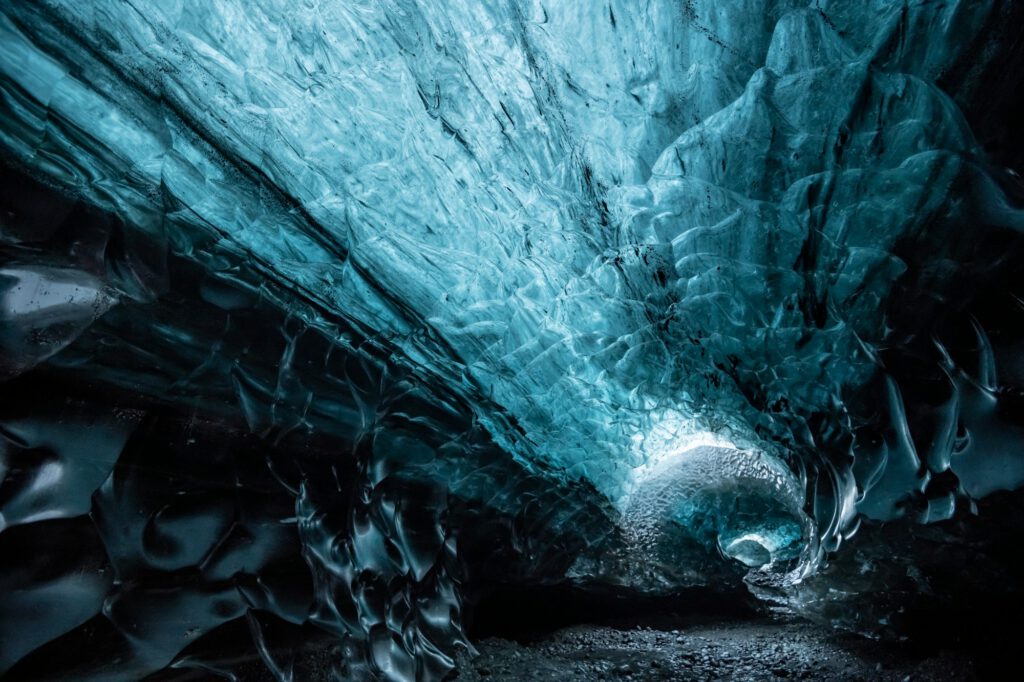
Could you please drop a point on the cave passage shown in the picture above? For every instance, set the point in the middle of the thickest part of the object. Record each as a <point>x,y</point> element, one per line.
<point>424,340</point>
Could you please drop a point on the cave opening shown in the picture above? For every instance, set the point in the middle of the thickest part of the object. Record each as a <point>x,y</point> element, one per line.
<point>425,340</point>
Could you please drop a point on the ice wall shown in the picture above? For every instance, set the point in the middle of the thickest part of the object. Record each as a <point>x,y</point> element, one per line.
<point>571,244</point>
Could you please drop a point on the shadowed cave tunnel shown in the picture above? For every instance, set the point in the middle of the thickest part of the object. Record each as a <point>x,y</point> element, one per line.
<point>413,340</point>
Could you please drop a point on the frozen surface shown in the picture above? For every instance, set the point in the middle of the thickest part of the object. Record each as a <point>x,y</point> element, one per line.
<point>652,295</point>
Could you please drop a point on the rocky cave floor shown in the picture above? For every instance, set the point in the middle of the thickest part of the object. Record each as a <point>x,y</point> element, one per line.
<point>779,648</point>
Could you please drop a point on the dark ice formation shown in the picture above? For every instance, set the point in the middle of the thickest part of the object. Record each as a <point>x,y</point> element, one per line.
<point>320,321</point>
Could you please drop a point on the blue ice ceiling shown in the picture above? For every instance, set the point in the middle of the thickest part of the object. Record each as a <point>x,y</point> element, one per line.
<point>691,286</point>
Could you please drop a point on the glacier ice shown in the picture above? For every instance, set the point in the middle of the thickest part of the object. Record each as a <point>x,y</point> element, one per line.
<point>415,298</point>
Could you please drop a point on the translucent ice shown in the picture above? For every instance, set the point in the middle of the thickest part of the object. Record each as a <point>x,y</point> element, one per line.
<point>653,294</point>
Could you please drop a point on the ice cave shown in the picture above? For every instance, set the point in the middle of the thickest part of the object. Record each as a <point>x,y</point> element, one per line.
<point>511,339</point>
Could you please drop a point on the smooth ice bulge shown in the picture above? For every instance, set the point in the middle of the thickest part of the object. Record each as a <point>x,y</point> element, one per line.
<point>653,295</point>
<point>743,502</point>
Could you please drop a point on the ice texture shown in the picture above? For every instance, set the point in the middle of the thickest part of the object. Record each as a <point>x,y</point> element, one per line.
<point>651,294</point>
